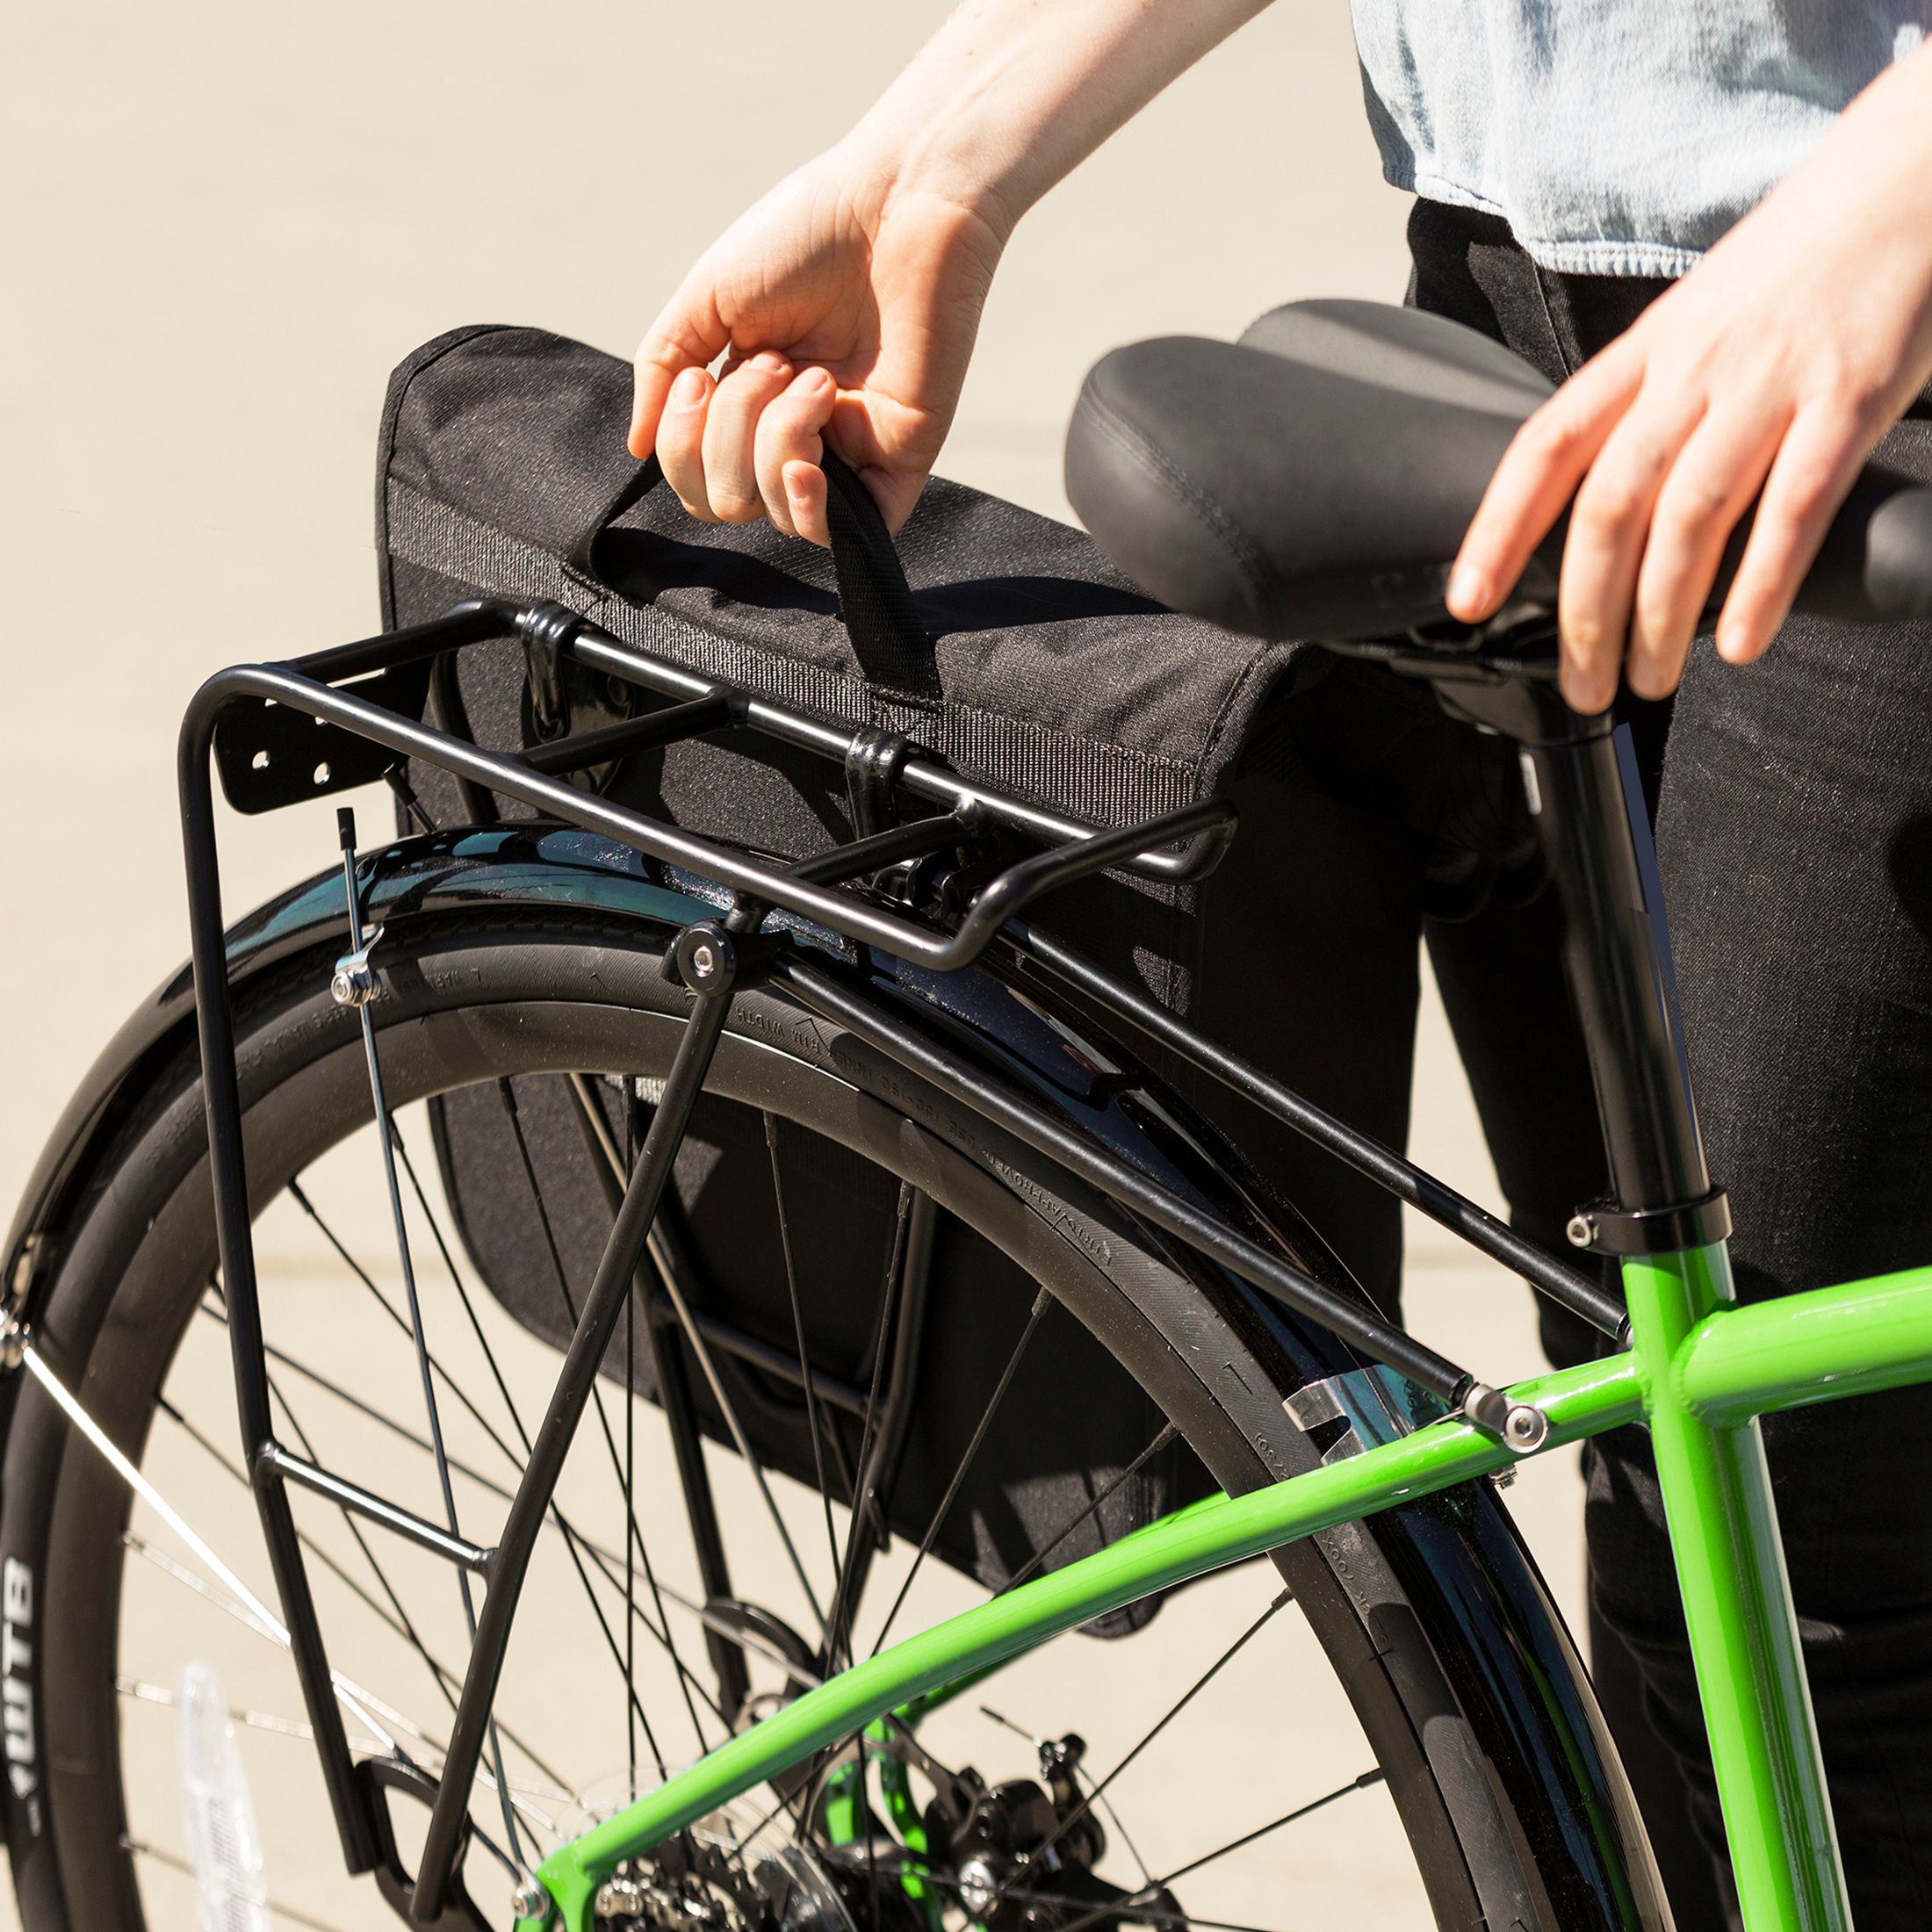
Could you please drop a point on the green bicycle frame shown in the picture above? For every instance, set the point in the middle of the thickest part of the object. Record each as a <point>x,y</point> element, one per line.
<point>1700,1371</point>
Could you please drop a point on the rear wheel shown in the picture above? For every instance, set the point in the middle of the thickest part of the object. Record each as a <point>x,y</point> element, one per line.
<point>1251,1760</point>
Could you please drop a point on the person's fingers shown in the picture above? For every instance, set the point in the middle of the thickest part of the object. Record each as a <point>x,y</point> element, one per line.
<point>679,441</point>
<point>1545,460</point>
<point>805,486</point>
<point>731,429</point>
<point>891,450</point>
<point>688,334</point>
<point>1713,479</point>
<point>1816,465</point>
<point>789,432</point>
<point>1608,525</point>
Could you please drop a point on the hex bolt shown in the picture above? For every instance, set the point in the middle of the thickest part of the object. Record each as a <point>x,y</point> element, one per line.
<point>531,1900</point>
<point>354,981</point>
<point>704,959</point>
<point>1527,1429</point>
<point>1580,1230</point>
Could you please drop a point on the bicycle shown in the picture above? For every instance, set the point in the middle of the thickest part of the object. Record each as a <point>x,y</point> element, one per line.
<point>889,1006</point>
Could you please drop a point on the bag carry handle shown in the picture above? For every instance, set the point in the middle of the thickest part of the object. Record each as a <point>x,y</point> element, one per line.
<point>874,599</point>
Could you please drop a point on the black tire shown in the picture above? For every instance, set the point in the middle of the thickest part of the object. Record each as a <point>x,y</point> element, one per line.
<point>467,1001</point>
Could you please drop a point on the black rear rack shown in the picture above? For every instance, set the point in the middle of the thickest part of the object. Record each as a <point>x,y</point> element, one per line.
<point>253,740</point>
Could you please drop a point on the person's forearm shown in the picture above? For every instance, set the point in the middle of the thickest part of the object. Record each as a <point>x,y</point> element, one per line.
<point>1010,96</point>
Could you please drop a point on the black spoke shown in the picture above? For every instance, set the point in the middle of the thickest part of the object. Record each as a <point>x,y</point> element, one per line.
<point>573,1537</point>
<point>1140,1908</point>
<point>633,1535</point>
<point>883,1434</point>
<point>360,1591</point>
<point>701,1349</point>
<point>574,1542</point>
<point>630,1510</point>
<point>1159,1724</point>
<point>1041,1302</point>
<point>1031,1568</point>
<point>804,1359</point>
<point>387,1136</point>
<point>605,1561</point>
<point>662,1631</point>
<point>1367,1781</point>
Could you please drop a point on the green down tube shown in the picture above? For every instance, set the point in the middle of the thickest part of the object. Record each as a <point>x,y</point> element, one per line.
<point>1578,1402</point>
<point>1699,1367</point>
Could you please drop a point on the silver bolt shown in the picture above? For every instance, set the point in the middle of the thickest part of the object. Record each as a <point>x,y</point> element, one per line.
<point>978,1886</point>
<point>531,1900</point>
<point>1580,1230</point>
<point>704,959</point>
<point>1527,1429</point>
<point>13,1341</point>
<point>353,983</point>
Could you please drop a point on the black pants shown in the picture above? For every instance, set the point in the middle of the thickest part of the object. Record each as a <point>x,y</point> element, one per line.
<point>1794,828</point>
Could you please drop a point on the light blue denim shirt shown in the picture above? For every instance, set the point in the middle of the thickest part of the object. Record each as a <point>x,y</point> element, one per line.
<point>1616,137</point>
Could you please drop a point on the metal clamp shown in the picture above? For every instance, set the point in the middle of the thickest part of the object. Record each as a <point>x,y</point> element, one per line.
<point>709,959</point>
<point>354,982</point>
<point>1603,1228</point>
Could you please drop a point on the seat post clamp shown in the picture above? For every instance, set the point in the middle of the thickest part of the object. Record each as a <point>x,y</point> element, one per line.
<point>1603,1228</point>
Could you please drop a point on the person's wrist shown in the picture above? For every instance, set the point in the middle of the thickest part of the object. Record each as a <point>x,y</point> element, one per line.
<point>896,157</point>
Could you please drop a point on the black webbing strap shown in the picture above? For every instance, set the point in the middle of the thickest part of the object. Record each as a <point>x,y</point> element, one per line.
<point>874,599</point>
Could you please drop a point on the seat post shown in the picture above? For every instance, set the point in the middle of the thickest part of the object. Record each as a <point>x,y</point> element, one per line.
<point>1668,1225</point>
<point>1583,790</point>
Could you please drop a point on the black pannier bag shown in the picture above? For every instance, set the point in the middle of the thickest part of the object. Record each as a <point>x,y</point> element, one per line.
<point>1029,662</point>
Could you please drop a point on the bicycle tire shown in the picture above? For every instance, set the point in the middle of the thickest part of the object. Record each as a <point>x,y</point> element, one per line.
<point>486,998</point>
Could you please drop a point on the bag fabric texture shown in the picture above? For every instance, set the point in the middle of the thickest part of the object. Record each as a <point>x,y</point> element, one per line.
<point>502,451</point>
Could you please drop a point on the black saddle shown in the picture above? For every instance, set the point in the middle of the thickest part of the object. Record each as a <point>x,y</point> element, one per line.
<point>1314,479</point>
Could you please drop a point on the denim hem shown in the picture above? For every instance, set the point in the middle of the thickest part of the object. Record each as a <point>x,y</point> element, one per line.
<point>1599,254</point>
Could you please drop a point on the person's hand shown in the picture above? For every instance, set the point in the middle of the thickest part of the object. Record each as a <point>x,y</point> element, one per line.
<point>846,305</point>
<point>1769,372</point>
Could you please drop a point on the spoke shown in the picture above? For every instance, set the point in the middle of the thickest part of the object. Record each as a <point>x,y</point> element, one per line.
<point>1041,1302</point>
<point>279,1396</point>
<point>1159,1724</point>
<point>386,1134</point>
<point>137,1692</point>
<point>573,1540</point>
<point>1095,1795</point>
<point>1367,1781</point>
<point>1122,1908</point>
<point>1133,1908</point>
<point>606,1562</point>
<point>137,1849</point>
<point>804,1359</point>
<point>868,1513</point>
<point>701,1349</point>
<point>446,1677</point>
<point>1032,1564</point>
<point>633,1535</point>
<point>108,1450</point>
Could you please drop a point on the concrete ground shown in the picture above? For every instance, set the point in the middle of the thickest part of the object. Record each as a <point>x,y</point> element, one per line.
<point>229,221</point>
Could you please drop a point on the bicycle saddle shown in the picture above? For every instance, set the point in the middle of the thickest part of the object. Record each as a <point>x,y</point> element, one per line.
<point>1315,478</point>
